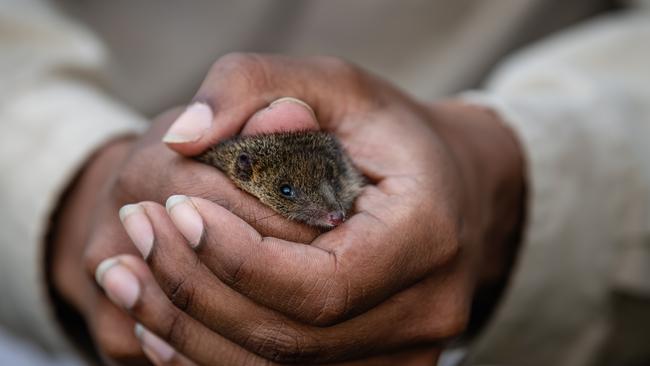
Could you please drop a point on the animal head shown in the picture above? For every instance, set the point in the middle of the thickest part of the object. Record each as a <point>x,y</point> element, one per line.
<point>302,179</point>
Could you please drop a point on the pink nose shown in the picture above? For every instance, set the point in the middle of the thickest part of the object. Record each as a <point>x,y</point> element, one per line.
<point>335,218</point>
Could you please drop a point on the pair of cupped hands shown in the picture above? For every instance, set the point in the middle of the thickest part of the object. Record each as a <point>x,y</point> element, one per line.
<point>196,271</point>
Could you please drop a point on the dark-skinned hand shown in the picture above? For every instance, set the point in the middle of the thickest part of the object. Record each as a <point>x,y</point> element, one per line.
<point>435,224</point>
<point>88,231</point>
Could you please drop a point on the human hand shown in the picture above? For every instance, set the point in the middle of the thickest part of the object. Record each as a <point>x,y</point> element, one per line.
<point>436,224</point>
<point>88,230</point>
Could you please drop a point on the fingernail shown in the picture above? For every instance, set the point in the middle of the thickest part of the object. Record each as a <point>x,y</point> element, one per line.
<point>119,282</point>
<point>137,225</point>
<point>153,345</point>
<point>293,100</point>
<point>190,125</point>
<point>186,218</point>
<point>104,266</point>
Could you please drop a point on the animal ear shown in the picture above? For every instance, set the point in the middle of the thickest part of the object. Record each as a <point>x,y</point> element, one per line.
<point>244,167</point>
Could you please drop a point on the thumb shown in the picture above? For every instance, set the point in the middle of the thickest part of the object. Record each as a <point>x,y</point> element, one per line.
<point>239,85</point>
<point>282,115</point>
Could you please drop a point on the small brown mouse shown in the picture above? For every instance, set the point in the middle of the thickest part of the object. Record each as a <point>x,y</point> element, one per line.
<point>304,176</point>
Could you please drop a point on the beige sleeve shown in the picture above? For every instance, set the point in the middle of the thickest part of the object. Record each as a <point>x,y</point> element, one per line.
<point>580,105</point>
<point>53,117</point>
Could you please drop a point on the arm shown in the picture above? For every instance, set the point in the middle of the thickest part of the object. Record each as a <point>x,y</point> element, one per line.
<point>54,116</point>
<point>580,104</point>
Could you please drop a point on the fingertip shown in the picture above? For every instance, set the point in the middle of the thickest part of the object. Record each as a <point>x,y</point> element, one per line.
<point>103,267</point>
<point>192,131</point>
<point>153,346</point>
<point>186,218</point>
<point>294,101</point>
<point>120,284</point>
<point>282,115</point>
<point>191,125</point>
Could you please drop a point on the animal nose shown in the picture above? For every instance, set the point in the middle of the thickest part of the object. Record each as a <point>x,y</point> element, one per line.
<point>335,218</point>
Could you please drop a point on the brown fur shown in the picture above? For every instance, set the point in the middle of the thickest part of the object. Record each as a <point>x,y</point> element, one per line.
<point>313,164</point>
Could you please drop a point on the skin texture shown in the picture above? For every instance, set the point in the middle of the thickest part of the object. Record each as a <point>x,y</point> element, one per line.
<point>304,176</point>
<point>88,228</point>
<point>391,284</point>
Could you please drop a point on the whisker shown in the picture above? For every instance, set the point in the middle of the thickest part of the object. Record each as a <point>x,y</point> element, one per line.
<point>264,218</point>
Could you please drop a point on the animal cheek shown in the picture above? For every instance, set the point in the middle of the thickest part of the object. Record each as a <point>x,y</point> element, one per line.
<point>298,209</point>
<point>346,198</point>
<point>267,199</point>
<point>292,206</point>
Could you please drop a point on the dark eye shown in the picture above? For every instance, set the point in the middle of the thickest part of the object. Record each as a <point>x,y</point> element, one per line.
<point>287,190</point>
<point>244,159</point>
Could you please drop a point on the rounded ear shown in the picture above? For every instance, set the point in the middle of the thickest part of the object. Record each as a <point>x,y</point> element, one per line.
<point>244,167</point>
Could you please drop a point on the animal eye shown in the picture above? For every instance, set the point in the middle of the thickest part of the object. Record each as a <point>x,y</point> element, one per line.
<point>244,159</point>
<point>287,190</point>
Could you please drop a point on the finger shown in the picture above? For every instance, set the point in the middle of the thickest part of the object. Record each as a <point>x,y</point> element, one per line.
<point>194,290</point>
<point>129,283</point>
<point>110,326</point>
<point>283,115</point>
<point>342,273</point>
<point>158,351</point>
<point>238,85</point>
<point>166,173</point>
<point>112,333</point>
<point>256,256</point>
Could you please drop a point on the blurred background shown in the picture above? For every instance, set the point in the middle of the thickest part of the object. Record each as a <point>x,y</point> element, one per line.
<point>156,53</point>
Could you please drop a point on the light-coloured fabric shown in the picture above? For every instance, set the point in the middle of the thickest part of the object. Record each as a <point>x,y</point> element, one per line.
<point>20,352</point>
<point>161,50</point>
<point>579,104</point>
<point>52,119</point>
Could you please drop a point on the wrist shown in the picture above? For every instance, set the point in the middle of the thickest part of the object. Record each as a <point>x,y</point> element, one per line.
<point>491,165</point>
<point>72,221</point>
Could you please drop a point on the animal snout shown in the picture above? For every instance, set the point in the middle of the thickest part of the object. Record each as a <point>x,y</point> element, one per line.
<point>335,218</point>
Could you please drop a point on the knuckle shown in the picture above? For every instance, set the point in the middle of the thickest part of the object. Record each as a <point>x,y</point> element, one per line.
<point>181,291</point>
<point>356,81</point>
<point>128,178</point>
<point>176,330</point>
<point>446,325</point>
<point>348,71</point>
<point>338,65</point>
<point>240,274</point>
<point>240,69</point>
<point>453,325</point>
<point>91,258</point>
<point>234,60</point>
<point>182,295</point>
<point>278,342</point>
